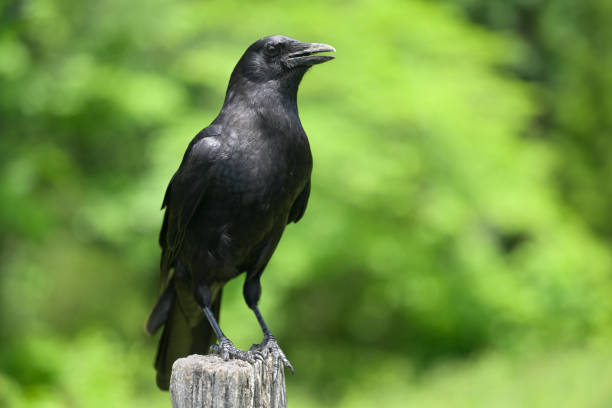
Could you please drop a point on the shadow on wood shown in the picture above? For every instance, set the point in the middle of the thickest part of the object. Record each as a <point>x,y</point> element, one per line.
<point>208,381</point>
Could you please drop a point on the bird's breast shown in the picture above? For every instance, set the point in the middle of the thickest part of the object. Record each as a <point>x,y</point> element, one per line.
<point>267,167</point>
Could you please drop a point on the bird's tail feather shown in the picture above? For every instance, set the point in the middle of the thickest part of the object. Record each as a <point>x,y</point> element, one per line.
<point>179,339</point>
<point>161,310</point>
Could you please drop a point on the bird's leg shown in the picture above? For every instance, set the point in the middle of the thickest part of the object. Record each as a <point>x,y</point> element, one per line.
<point>269,346</point>
<point>225,349</point>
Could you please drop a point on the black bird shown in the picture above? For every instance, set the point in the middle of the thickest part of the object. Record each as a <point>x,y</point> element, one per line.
<point>241,181</point>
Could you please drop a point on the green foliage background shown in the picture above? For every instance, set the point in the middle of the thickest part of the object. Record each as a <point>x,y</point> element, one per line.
<point>456,248</point>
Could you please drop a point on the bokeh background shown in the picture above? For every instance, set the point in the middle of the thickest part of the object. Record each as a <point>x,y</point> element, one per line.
<point>456,248</point>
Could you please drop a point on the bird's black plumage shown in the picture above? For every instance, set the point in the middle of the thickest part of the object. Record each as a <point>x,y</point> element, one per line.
<point>241,181</point>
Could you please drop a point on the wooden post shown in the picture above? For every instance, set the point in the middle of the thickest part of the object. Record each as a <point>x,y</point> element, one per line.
<point>209,382</point>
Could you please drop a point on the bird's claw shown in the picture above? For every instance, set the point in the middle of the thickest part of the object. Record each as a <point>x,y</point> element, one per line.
<point>226,350</point>
<point>269,346</point>
<point>257,353</point>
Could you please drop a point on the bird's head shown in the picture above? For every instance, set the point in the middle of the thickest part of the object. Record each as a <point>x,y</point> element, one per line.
<point>280,59</point>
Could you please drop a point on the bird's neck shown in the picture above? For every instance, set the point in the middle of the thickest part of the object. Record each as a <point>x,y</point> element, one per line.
<point>273,97</point>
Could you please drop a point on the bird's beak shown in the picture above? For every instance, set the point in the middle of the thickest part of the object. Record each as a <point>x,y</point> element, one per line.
<point>301,54</point>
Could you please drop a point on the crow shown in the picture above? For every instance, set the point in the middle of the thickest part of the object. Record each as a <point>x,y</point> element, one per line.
<point>241,181</point>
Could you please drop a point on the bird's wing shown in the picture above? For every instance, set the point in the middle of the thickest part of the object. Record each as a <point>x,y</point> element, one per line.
<point>184,194</point>
<point>299,206</point>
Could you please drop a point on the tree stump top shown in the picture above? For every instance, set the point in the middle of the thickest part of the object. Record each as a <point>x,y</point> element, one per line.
<point>209,381</point>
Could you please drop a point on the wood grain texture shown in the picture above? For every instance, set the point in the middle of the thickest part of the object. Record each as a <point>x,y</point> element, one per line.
<point>208,381</point>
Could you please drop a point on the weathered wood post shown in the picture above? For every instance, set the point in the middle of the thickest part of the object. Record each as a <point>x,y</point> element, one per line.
<point>209,382</point>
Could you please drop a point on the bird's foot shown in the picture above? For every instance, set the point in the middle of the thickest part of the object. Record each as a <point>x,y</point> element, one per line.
<point>226,350</point>
<point>268,347</point>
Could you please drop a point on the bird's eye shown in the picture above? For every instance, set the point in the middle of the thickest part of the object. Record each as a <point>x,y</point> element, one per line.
<point>272,49</point>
